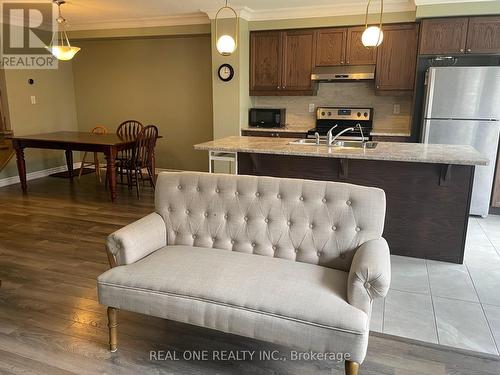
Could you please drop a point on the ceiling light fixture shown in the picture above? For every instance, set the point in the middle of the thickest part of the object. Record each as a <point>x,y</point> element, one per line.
<point>59,45</point>
<point>372,36</point>
<point>226,44</point>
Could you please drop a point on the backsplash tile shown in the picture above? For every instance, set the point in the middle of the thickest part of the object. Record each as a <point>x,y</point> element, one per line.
<point>352,94</point>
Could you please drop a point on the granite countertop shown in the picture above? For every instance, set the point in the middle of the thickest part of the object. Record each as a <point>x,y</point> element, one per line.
<point>286,129</point>
<point>390,151</point>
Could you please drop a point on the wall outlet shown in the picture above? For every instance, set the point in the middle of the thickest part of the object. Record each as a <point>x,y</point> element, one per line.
<point>312,107</point>
<point>33,99</point>
<point>396,109</point>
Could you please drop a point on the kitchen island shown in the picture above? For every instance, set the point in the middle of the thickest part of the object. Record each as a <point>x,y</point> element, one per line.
<point>428,187</point>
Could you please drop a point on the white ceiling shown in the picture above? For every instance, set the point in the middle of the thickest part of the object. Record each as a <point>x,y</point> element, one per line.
<point>103,14</point>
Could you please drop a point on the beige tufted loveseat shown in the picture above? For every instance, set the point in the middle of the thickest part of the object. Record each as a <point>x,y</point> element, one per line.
<point>295,262</point>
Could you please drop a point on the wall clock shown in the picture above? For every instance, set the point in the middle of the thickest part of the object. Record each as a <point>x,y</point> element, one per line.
<point>226,72</point>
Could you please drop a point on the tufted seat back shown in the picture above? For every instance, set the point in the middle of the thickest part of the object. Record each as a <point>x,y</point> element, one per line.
<point>308,221</point>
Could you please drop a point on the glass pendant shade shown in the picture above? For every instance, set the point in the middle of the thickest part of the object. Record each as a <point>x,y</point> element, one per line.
<point>226,45</point>
<point>372,36</point>
<point>63,53</point>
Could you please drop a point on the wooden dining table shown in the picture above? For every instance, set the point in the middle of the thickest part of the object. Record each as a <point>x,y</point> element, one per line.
<point>108,144</point>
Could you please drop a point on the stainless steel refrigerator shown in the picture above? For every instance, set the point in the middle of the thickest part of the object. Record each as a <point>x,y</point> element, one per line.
<point>462,107</point>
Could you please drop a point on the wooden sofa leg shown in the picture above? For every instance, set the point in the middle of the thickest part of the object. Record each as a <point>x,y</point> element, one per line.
<point>351,368</point>
<point>113,328</point>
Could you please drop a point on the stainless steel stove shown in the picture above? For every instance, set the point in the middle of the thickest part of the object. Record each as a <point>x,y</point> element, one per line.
<point>344,118</point>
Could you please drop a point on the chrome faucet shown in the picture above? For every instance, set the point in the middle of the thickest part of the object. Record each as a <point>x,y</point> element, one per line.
<point>339,134</point>
<point>316,135</point>
<point>358,125</point>
<point>329,136</point>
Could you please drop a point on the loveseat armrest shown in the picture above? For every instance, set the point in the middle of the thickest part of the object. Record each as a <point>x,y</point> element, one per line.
<point>136,240</point>
<point>370,274</point>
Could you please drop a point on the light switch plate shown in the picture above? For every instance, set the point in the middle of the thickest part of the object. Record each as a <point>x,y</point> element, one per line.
<point>33,99</point>
<point>397,109</point>
<point>312,107</point>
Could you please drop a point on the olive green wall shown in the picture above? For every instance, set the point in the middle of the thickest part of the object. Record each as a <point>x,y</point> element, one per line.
<point>55,110</point>
<point>161,81</point>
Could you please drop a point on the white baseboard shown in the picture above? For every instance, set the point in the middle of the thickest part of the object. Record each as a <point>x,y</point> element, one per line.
<point>47,172</point>
<point>34,175</point>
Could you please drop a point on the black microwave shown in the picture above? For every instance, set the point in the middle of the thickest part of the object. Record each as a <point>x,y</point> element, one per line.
<point>266,117</point>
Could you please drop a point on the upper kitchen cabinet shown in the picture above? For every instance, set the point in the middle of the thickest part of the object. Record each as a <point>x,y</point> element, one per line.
<point>483,35</point>
<point>297,60</point>
<point>265,61</point>
<point>396,58</point>
<point>443,35</point>
<point>462,35</point>
<point>281,62</point>
<point>356,52</point>
<point>330,46</point>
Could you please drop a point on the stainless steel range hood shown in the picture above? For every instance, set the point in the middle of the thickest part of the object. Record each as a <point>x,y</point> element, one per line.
<point>343,73</point>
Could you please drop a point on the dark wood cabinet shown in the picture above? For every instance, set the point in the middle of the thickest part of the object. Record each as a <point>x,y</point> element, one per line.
<point>330,46</point>
<point>483,35</point>
<point>443,35</point>
<point>396,58</point>
<point>356,52</point>
<point>390,138</point>
<point>265,61</point>
<point>495,198</point>
<point>463,35</point>
<point>281,62</point>
<point>297,60</point>
<point>278,134</point>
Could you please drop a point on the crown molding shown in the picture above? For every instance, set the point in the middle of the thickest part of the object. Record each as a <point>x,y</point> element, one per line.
<point>242,12</point>
<point>343,9</point>
<point>205,15</point>
<point>444,2</point>
<point>197,18</point>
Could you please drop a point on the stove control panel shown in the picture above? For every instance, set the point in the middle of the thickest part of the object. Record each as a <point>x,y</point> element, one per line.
<point>336,113</point>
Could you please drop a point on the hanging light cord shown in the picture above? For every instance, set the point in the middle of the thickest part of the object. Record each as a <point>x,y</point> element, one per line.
<point>380,21</point>
<point>63,36</point>
<point>237,23</point>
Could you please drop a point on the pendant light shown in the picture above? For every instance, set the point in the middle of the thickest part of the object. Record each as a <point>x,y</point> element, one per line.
<point>226,44</point>
<point>59,45</point>
<point>372,36</point>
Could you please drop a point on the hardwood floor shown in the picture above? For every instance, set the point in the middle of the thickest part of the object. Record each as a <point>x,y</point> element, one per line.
<point>51,251</point>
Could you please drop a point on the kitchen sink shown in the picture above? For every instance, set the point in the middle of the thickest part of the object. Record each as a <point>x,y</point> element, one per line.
<point>339,144</point>
<point>355,144</point>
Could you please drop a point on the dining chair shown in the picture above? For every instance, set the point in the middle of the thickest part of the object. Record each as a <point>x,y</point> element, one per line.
<point>142,158</point>
<point>128,129</point>
<point>98,130</point>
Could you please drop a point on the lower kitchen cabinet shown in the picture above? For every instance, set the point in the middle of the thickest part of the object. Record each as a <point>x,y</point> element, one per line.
<point>390,138</point>
<point>495,199</point>
<point>257,133</point>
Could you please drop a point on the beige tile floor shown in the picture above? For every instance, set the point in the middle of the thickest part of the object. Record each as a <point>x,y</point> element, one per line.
<point>449,304</point>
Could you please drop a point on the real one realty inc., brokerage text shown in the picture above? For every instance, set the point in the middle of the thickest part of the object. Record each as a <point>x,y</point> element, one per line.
<point>245,355</point>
